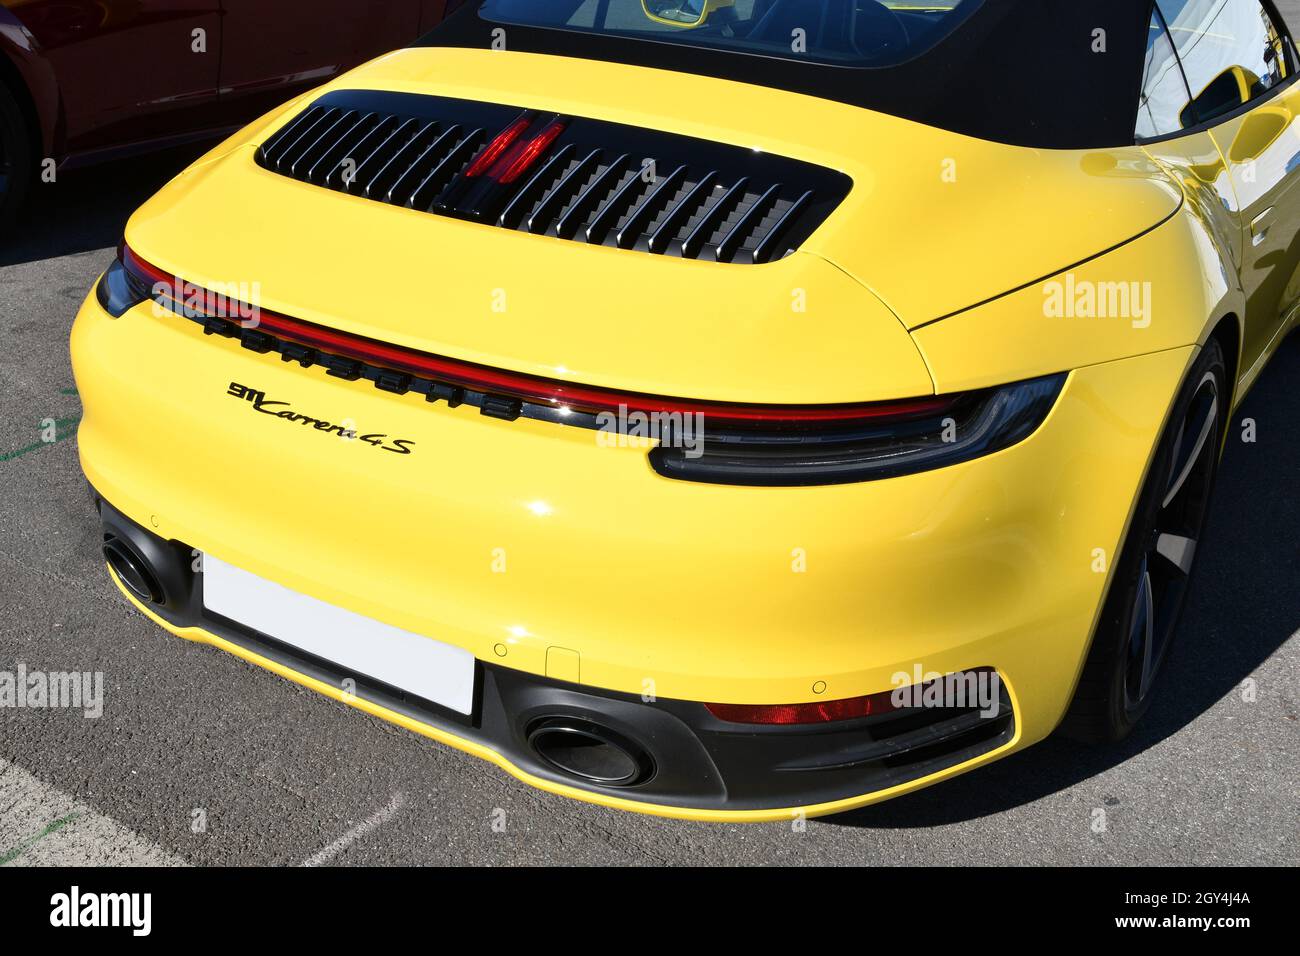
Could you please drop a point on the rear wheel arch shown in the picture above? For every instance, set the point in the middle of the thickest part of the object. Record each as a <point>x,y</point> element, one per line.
<point>1094,713</point>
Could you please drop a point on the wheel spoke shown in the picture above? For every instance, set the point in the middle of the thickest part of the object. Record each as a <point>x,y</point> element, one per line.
<point>1177,550</point>
<point>1148,642</point>
<point>1185,462</point>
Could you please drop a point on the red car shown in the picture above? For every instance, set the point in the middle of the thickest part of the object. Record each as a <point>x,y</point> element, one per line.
<point>88,80</point>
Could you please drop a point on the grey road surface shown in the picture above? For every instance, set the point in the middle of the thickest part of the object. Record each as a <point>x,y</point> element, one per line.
<point>200,758</point>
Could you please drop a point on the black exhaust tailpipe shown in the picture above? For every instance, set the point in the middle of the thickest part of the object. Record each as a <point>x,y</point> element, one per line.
<point>156,571</point>
<point>590,752</point>
<point>132,569</point>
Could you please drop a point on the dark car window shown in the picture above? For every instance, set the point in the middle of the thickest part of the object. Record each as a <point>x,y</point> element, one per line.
<point>1231,51</point>
<point>847,32</point>
<point>1165,96</point>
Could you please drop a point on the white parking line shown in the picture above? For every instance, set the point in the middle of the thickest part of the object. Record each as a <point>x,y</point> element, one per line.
<point>357,832</point>
<point>43,826</point>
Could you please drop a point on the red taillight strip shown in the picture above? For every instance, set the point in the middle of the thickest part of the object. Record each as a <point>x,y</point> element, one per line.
<point>549,391</point>
<point>137,265</point>
<point>498,146</point>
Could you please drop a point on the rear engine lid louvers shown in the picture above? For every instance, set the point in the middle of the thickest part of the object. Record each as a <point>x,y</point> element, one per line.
<point>573,178</point>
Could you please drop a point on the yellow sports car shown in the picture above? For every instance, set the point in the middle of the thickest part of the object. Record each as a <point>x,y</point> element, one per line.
<point>723,409</point>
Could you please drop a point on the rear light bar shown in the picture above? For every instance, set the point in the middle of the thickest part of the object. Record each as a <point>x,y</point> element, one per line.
<point>550,392</point>
<point>710,442</point>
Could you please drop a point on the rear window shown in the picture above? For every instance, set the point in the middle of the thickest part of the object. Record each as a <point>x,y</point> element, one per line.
<point>1040,73</point>
<point>863,33</point>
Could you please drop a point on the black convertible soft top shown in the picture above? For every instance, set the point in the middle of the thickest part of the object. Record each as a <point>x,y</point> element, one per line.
<point>1032,73</point>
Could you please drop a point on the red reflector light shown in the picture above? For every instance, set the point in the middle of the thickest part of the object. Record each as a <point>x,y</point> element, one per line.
<point>821,712</point>
<point>498,146</point>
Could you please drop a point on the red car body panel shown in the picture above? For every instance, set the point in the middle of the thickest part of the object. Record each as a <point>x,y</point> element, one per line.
<point>106,77</point>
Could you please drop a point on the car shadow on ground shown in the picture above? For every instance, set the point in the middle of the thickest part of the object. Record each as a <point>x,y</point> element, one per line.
<point>1243,607</point>
<point>85,209</point>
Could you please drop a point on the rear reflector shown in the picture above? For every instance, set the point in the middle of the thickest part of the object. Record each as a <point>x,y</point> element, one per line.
<point>958,691</point>
<point>821,712</point>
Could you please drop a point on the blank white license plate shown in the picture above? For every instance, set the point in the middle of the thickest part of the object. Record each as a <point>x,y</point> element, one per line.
<point>413,663</point>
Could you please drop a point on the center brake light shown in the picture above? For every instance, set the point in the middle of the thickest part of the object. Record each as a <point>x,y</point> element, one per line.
<point>483,189</point>
<point>494,149</point>
<point>522,157</point>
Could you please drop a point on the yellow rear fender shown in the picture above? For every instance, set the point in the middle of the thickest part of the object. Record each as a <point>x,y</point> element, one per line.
<point>1165,290</point>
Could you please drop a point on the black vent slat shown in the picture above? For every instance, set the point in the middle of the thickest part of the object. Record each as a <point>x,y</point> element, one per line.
<point>514,212</point>
<point>451,164</point>
<point>333,157</point>
<point>712,219</point>
<point>406,184</point>
<point>378,185</point>
<point>731,242</point>
<point>273,148</point>
<point>305,139</point>
<point>378,147</point>
<point>681,213</point>
<point>720,202</point>
<point>767,245</point>
<point>299,138</point>
<point>317,147</point>
<point>590,197</point>
<point>643,215</point>
<point>556,198</point>
<point>343,172</point>
<point>621,204</point>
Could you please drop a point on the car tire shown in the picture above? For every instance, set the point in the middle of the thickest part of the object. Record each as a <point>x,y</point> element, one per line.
<point>15,156</point>
<point>1151,582</point>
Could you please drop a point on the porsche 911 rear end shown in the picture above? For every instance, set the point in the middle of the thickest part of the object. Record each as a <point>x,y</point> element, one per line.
<point>594,419</point>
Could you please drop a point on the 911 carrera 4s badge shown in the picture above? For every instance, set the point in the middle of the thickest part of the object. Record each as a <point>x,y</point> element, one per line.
<point>345,430</point>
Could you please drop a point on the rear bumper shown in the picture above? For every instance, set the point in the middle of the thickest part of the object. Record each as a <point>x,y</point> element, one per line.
<point>581,579</point>
<point>698,764</point>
